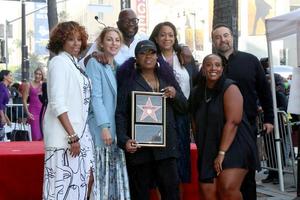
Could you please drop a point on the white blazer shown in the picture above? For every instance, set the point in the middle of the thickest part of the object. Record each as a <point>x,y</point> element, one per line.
<point>65,94</point>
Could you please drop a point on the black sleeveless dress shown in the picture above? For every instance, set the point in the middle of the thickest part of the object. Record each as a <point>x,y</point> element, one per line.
<point>208,114</point>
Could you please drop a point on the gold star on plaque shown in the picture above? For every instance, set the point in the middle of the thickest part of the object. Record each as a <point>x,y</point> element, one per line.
<point>149,110</point>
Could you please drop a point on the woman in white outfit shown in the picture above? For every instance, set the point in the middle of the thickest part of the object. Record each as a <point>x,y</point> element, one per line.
<point>69,154</point>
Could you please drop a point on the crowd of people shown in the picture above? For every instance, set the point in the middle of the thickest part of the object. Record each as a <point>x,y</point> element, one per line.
<point>87,127</point>
<point>28,95</point>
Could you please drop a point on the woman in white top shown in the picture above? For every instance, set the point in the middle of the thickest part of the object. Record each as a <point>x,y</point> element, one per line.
<point>69,153</point>
<point>164,35</point>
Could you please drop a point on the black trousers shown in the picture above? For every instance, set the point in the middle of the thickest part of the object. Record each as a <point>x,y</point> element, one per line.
<point>161,173</point>
<point>248,187</point>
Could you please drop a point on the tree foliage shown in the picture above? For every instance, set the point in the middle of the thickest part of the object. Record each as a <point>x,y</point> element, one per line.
<point>226,11</point>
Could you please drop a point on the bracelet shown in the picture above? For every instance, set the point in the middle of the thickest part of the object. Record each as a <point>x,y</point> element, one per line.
<point>72,141</point>
<point>222,153</point>
<point>72,136</point>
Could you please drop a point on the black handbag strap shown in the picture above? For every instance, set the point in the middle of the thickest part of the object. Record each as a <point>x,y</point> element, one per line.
<point>19,134</point>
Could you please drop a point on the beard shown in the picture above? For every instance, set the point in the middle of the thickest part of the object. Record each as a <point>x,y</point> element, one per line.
<point>223,48</point>
<point>129,34</point>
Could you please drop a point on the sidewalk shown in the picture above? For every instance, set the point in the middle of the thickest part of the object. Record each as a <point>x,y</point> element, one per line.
<point>269,191</point>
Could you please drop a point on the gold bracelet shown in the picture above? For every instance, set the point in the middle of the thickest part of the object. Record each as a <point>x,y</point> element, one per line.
<point>222,153</point>
<point>72,135</point>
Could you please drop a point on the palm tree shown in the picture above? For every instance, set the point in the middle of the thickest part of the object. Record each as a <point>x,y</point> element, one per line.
<point>63,16</point>
<point>30,35</point>
<point>52,17</point>
<point>52,14</point>
<point>226,11</point>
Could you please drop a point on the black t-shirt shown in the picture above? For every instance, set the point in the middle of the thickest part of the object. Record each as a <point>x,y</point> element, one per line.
<point>246,70</point>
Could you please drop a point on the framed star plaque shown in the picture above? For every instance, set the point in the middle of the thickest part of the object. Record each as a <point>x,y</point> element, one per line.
<point>149,118</point>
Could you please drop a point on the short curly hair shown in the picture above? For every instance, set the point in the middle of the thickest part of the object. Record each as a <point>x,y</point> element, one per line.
<point>62,31</point>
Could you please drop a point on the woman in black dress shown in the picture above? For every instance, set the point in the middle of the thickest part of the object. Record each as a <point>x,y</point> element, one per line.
<point>225,150</point>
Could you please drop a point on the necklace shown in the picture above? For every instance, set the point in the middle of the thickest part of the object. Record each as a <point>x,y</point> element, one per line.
<point>205,96</point>
<point>87,88</point>
<point>155,86</point>
<point>84,76</point>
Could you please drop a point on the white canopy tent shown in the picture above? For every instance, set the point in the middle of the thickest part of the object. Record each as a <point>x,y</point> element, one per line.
<point>278,28</point>
<point>283,25</point>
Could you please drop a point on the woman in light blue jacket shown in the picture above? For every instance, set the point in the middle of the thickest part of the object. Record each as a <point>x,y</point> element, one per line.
<point>111,180</point>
